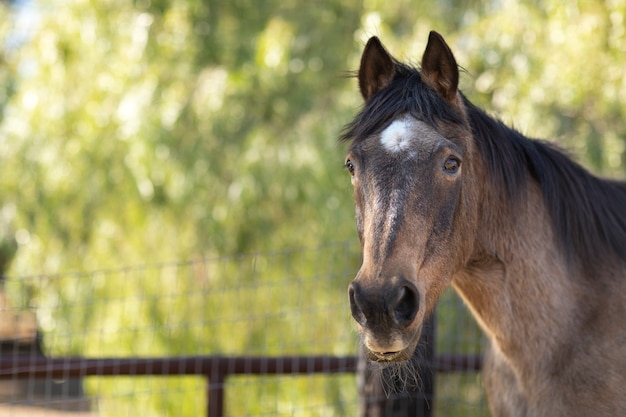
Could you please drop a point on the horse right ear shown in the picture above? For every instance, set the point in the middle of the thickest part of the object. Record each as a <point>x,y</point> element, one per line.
<point>439,68</point>
<point>377,68</point>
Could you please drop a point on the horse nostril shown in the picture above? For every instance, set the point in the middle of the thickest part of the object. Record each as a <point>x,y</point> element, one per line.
<point>357,311</point>
<point>389,307</point>
<point>406,306</point>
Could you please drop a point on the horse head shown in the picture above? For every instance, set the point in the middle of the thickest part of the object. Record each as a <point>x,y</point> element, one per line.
<point>412,169</point>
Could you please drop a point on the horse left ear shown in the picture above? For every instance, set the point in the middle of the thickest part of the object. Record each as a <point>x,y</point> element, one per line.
<point>377,68</point>
<point>439,68</point>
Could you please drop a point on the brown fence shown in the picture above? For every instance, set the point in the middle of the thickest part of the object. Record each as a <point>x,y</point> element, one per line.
<point>214,368</point>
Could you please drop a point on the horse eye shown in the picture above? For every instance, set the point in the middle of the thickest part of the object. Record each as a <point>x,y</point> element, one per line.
<point>350,167</point>
<point>452,165</point>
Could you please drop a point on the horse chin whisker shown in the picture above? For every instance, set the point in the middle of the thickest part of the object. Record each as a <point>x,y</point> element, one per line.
<point>398,377</point>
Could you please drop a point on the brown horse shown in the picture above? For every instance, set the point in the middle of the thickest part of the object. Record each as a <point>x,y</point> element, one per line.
<point>533,243</point>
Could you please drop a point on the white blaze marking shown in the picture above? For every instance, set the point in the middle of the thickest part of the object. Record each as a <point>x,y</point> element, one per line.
<point>397,136</point>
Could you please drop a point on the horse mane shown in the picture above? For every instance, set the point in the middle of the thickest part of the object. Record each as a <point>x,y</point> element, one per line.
<point>587,212</point>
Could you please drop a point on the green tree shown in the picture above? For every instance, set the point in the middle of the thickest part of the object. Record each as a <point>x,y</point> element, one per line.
<point>151,133</point>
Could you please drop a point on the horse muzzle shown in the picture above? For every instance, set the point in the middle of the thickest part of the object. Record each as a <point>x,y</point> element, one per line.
<point>386,317</point>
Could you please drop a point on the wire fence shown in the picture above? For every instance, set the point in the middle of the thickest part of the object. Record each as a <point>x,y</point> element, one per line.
<point>248,308</point>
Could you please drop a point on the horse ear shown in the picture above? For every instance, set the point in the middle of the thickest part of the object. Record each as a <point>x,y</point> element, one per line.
<point>377,68</point>
<point>439,68</point>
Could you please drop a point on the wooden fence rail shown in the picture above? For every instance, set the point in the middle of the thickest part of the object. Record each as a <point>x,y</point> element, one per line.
<point>214,368</point>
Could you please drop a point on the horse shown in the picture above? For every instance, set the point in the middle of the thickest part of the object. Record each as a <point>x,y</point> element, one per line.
<point>534,244</point>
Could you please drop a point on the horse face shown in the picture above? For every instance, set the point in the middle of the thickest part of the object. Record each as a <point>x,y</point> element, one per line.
<point>408,179</point>
<point>407,182</point>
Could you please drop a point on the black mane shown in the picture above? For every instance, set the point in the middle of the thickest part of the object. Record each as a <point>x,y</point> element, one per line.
<point>588,213</point>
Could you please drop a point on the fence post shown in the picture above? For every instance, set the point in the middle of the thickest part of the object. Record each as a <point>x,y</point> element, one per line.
<point>215,380</point>
<point>385,393</point>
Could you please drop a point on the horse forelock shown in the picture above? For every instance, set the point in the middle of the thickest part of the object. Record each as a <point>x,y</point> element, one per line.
<point>405,94</point>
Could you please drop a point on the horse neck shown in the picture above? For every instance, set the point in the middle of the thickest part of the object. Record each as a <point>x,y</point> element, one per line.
<point>518,284</point>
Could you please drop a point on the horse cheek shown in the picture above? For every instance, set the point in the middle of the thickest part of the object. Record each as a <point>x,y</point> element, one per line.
<point>441,250</point>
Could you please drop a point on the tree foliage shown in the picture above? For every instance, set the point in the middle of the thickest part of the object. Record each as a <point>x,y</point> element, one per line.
<point>168,129</point>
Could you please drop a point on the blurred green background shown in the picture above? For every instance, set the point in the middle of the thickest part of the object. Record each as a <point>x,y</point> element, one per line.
<point>138,133</point>
<point>160,130</point>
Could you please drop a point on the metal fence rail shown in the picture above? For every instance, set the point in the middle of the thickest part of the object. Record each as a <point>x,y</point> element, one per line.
<point>214,368</point>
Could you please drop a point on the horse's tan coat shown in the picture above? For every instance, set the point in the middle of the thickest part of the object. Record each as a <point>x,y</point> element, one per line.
<point>557,336</point>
